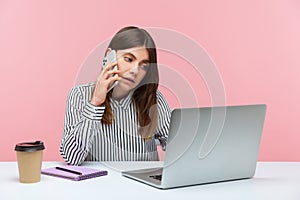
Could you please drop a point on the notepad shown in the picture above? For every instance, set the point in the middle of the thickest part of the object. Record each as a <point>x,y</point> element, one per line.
<point>86,172</point>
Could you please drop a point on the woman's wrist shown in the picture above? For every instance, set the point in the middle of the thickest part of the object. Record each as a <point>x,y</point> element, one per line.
<point>97,101</point>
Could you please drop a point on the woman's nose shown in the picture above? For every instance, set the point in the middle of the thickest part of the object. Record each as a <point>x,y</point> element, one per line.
<point>134,69</point>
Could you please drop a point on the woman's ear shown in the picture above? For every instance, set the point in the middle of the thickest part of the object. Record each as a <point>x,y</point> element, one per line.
<point>107,51</point>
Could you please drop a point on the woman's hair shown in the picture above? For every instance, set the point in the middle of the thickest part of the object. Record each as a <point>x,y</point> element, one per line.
<point>144,95</point>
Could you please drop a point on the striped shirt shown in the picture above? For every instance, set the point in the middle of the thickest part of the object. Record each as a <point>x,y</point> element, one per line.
<point>85,138</point>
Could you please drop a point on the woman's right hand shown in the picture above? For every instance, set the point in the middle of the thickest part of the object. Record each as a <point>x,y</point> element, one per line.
<point>104,80</point>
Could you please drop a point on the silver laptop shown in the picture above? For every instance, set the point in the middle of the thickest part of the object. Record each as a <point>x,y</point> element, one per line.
<point>208,145</point>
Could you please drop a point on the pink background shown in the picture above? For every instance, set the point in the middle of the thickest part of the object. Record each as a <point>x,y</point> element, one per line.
<point>254,44</point>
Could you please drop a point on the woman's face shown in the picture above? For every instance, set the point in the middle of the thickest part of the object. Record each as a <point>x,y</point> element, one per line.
<point>133,64</point>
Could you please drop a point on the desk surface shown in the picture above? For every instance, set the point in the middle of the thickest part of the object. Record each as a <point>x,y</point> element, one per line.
<point>273,180</point>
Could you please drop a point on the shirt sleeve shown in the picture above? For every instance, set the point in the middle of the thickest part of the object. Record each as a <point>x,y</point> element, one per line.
<point>81,118</point>
<point>164,115</point>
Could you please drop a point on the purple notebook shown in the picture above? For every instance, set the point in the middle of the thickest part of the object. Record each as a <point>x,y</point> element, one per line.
<point>75,173</point>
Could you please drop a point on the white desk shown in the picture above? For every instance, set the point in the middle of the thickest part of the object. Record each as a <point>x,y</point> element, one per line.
<point>272,181</point>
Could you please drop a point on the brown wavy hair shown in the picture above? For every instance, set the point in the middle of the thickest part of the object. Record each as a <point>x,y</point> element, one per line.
<point>144,95</point>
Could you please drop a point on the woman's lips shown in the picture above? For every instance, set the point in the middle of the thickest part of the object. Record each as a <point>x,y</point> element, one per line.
<point>128,79</point>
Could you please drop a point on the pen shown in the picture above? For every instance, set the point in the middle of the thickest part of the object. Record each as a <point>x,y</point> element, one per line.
<point>68,170</point>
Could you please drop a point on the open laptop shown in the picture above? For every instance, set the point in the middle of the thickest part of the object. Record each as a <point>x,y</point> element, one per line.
<point>208,145</point>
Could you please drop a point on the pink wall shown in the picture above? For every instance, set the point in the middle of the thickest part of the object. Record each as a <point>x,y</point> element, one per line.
<point>43,45</point>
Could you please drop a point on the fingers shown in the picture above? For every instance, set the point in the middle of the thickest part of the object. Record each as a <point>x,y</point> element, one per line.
<point>111,73</point>
<point>107,84</point>
<point>113,78</point>
<point>110,66</point>
<point>107,77</point>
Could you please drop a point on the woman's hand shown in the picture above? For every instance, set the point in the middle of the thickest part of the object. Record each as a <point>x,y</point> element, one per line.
<point>104,80</point>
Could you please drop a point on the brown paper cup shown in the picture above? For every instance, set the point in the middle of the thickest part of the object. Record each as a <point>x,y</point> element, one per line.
<point>30,155</point>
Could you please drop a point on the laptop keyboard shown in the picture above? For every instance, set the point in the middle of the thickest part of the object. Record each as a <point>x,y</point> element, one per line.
<point>157,177</point>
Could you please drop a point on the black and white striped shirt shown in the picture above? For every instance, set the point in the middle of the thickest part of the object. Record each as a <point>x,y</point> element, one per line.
<point>85,138</point>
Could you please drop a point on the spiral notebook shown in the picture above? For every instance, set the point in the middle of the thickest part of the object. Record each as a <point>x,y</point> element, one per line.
<point>75,173</point>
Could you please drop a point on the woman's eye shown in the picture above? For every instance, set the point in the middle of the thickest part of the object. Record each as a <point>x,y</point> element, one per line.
<point>145,67</point>
<point>127,59</point>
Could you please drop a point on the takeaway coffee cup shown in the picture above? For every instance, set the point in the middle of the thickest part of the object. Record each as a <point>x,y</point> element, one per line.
<point>29,155</point>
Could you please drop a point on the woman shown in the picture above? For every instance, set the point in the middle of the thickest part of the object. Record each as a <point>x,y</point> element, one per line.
<point>122,124</point>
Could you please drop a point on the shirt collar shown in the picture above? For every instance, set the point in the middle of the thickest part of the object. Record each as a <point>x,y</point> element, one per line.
<point>124,102</point>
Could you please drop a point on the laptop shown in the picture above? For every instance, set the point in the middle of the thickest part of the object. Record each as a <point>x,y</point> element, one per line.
<point>208,145</point>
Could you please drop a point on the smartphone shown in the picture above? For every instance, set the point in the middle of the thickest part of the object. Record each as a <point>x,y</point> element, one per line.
<point>111,57</point>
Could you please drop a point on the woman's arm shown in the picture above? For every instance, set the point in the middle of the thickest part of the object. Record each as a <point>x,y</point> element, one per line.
<point>164,115</point>
<point>80,123</point>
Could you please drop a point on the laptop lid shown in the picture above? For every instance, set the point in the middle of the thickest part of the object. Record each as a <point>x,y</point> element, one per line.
<point>210,144</point>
